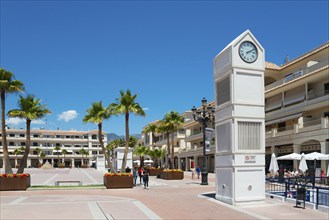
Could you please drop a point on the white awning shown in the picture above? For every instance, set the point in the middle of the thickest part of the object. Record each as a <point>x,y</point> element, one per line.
<point>290,117</point>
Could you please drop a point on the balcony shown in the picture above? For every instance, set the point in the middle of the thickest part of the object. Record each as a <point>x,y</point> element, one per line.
<point>306,71</point>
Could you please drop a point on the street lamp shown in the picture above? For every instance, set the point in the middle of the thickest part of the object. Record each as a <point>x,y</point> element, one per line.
<point>204,115</point>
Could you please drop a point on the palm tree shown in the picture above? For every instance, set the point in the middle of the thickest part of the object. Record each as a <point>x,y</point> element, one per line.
<point>125,105</point>
<point>8,85</point>
<point>141,151</point>
<point>82,151</point>
<point>97,114</point>
<point>16,152</point>
<point>151,128</point>
<point>165,129</point>
<point>174,121</point>
<point>30,108</point>
<point>57,148</point>
<point>38,151</point>
<point>64,152</point>
<point>132,141</point>
<point>42,155</point>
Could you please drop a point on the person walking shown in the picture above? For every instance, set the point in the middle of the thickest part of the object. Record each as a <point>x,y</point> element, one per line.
<point>198,170</point>
<point>140,174</point>
<point>146,180</point>
<point>135,174</point>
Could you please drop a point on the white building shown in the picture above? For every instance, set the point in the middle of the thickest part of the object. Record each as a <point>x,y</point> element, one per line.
<point>47,140</point>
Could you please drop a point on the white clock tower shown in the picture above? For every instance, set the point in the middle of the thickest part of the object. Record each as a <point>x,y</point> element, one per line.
<point>240,129</point>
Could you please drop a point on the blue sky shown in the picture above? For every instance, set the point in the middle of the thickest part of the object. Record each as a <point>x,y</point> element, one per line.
<point>73,53</point>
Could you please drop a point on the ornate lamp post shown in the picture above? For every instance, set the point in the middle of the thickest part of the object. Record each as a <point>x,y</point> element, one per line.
<point>204,115</point>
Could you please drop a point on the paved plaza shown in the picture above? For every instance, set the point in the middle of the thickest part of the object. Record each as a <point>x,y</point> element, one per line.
<point>174,199</point>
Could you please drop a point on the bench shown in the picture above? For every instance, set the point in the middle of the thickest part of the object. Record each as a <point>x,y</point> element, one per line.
<point>57,183</point>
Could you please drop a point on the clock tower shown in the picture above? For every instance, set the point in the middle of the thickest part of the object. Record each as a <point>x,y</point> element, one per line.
<point>240,129</point>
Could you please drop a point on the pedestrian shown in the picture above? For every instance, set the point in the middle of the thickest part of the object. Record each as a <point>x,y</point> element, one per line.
<point>146,179</point>
<point>135,174</point>
<point>140,173</point>
<point>128,170</point>
<point>193,173</point>
<point>198,170</point>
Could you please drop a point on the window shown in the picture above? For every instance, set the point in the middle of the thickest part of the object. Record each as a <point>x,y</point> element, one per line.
<point>326,114</point>
<point>94,137</point>
<point>22,143</point>
<point>11,135</point>
<point>326,88</point>
<point>35,144</point>
<point>249,135</point>
<point>35,135</point>
<point>11,144</point>
<point>21,135</point>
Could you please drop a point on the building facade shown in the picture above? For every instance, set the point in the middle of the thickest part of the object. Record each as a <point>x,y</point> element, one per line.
<point>47,140</point>
<point>296,114</point>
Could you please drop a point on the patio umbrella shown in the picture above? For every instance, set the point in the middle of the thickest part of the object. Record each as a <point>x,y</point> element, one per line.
<point>316,156</point>
<point>274,167</point>
<point>292,156</point>
<point>302,165</point>
<point>148,161</point>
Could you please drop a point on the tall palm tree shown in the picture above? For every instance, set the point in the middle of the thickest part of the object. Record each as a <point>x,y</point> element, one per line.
<point>165,129</point>
<point>30,108</point>
<point>125,105</point>
<point>8,85</point>
<point>141,151</point>
<point>97,114</point>
<point>174,121</point>
<point>151,128</point>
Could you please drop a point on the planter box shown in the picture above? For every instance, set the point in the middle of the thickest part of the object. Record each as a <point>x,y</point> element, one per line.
<point>18,183</point>
<point>154,172</point>
<point>172,175</point>
<point>115,182</point>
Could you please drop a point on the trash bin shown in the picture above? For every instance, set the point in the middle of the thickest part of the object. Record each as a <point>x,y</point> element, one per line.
<point>109,170</point>
<point>301,196</point>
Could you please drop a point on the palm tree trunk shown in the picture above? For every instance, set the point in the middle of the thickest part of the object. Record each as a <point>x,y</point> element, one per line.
<point>168,149</point>
<point>6,160</point>
<point>27,148</point>
<point>100,139</point>
<point>124,160</point>
<point>172,150</point>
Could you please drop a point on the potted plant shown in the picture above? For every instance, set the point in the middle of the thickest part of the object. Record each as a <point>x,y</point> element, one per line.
<point>118,180</point>
<point>14,181</point>
<point>172,174</point>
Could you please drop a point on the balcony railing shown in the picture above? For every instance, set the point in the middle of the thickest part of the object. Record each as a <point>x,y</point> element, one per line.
<point>298,74</point>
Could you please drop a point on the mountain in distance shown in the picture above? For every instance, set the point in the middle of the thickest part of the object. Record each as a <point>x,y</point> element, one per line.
<point>113,136</point>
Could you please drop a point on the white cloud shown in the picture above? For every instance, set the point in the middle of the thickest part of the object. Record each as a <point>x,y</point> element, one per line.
<point>68,115</point>
<point>15,121</point>
<point>146,109</point>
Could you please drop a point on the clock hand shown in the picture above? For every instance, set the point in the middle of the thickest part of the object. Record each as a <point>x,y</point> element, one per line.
<point>250,50</point>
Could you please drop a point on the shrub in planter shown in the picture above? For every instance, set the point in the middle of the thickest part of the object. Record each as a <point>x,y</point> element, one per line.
<point>118,180</point>
<point>154,171</point>
<point>14,181</point>
<point>61,165</point>
<point>172,174</point>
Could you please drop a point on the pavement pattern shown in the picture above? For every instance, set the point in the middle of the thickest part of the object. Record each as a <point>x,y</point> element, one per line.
<point>164,199</point>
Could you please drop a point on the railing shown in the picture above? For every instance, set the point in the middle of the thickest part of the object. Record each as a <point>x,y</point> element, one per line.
<point>317,188</point>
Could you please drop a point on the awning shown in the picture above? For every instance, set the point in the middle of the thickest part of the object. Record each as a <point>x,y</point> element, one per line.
<point>290,117</point>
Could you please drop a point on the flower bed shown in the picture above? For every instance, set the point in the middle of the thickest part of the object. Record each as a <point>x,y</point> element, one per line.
<point>172,174</point>
<point>154,171</point>
<point>118,180</point>
<point>14,181</point>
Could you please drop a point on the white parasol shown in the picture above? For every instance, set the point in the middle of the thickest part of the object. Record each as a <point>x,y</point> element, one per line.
<point>274,167</point>
<point>302,165</point>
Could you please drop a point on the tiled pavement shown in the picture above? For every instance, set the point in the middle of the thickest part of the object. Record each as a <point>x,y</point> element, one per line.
<point>185,199</point>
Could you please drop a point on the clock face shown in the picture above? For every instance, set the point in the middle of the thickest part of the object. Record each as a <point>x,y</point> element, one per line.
<point>248,52</point>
